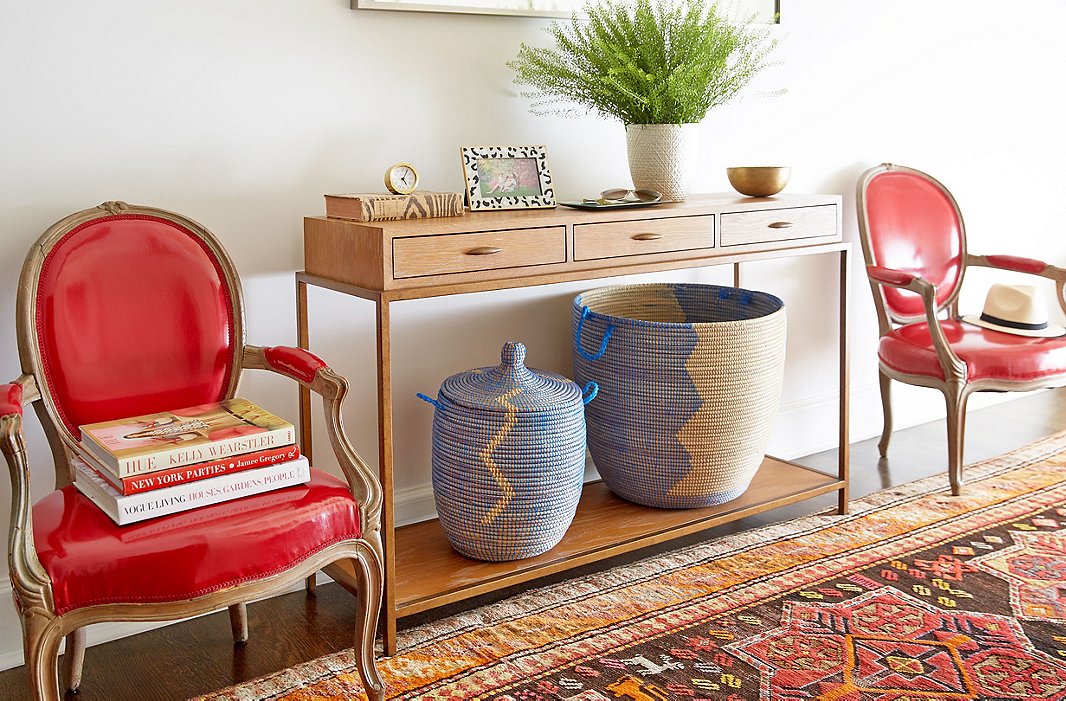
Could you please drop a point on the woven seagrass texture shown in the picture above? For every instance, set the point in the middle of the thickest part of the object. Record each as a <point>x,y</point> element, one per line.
<point>508,458</point>
<point>662,156</point>
<point>690,377</point>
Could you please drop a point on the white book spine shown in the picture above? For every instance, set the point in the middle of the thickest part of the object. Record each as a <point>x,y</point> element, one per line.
<point>124,510</point>
<point>179,457</point>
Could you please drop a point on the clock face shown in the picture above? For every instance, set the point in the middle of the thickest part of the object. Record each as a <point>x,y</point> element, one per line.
<point>401,179</point>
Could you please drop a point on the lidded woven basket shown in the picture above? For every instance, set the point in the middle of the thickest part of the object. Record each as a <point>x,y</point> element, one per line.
<point>689,380</point>
<point>508,457</point>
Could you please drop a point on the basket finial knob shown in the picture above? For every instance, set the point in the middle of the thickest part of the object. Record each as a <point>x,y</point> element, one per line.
<point>513,354</point>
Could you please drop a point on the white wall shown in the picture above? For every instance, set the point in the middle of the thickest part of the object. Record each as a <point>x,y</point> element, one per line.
<point>241,114</point>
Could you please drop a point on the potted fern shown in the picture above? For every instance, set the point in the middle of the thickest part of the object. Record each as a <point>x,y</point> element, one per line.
<point>657,66</point>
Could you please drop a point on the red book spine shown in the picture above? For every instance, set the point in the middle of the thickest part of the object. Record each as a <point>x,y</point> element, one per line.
<point>197,471</point>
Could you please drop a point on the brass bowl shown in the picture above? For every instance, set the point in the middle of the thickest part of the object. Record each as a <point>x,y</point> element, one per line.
<point>759,181</point>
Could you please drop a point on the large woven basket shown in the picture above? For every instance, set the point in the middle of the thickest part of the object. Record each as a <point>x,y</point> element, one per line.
<point>689,380</point>
<point>508,458</point>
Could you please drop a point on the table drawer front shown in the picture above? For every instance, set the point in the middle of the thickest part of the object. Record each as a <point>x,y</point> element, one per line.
<point>769,225</point>
<point>485,250</point>
<point>632,238</point>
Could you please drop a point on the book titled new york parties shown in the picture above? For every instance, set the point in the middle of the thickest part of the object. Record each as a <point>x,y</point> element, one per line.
<point>143,444</point>
<point>195,472</point>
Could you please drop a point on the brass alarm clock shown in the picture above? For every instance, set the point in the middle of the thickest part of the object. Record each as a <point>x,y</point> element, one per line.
<point>401,179</point>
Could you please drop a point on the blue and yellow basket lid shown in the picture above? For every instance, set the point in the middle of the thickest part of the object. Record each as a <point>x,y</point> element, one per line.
<point>511,386</point>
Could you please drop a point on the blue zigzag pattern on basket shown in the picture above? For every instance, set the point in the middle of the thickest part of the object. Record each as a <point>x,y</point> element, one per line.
<point>663,431</point>
<point>648,435</point>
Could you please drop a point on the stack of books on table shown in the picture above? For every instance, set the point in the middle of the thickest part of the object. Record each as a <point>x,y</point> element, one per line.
<point>158,464</point>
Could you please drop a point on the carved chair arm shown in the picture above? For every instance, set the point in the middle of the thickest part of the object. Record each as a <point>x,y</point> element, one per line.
<point>10,399</point>
<point>313,373</point>
<point>1031,266</point>
<point>951,365</point>
<point>893,278</point>
<point>27,574</point>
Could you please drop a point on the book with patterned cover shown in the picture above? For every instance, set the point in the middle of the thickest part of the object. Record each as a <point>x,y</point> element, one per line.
<point>370,206</point>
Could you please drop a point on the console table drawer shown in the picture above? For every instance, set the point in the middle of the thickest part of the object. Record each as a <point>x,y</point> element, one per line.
<point>485,250</point>
<point>768,225</point>
<point>632,238</point>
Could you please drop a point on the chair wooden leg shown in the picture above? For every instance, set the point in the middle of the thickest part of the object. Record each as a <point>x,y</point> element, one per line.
<point>42,658</point>
<point>956,437</point>
<point>238,622</point>
<point>310,584</point>
<point>74,658</point>
<point>886,409</point>
<point>368,576</point>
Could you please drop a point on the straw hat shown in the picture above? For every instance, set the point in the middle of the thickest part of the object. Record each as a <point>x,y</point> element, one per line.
<point>1015,309</point>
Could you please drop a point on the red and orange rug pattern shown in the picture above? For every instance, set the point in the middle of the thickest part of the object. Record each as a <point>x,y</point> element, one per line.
<point>914,595</point>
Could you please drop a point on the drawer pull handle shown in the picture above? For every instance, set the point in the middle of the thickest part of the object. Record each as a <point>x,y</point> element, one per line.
<point>484,251</point>
<point>646,237</point>
<point>780,225</point>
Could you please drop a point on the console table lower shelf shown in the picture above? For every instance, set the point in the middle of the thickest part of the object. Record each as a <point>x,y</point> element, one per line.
<point>430,574</point>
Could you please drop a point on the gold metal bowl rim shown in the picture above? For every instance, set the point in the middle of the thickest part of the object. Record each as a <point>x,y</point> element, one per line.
<point>759,181</point>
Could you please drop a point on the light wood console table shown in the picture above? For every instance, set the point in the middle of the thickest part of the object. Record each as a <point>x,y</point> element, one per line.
<point>387,262</point>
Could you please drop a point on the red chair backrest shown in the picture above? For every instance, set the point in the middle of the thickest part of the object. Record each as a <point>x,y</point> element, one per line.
<point>126,312</point>
<point>910,222</point>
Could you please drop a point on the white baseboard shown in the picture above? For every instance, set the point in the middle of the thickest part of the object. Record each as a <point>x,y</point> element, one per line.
<point>10,629</point>
<point>414,504</point>
<point>806,426</point>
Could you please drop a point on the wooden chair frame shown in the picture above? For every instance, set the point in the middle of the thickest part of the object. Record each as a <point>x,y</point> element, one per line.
<point>43,629</point>
<point>956,386</point>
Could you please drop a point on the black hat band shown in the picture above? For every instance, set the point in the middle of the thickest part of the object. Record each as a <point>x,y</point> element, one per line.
<point>1013,324</point>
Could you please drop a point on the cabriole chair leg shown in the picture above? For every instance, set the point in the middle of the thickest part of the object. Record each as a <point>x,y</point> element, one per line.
<point>886,410</point>
<point>368,575</point>
<point>956,422</point>
<point>42,659</point>
<point>74,658</point>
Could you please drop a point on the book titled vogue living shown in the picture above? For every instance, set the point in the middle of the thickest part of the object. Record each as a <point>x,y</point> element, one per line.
<point>124,510</point>
<point>169,439</point>
<point>195,472</point>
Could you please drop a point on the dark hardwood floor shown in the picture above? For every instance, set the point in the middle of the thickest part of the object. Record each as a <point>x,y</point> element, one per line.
<point>198,656</point>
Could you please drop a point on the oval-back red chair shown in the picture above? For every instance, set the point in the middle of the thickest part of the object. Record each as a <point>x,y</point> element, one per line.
<point>126,310</point>
<point>914,242</point>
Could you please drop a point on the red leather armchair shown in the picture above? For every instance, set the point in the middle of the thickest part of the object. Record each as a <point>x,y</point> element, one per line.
<point>124,310</point>
<point>914,242</point>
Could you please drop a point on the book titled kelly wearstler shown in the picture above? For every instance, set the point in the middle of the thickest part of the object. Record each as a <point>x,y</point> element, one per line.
<point>124,510</point>
<point>169,439</point>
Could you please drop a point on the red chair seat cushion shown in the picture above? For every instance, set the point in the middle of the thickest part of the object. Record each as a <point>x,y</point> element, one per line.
<point>989,355</point>
<point>92,561</point>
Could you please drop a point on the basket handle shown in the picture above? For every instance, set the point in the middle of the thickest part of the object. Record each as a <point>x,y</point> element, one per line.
<point>603,344</point>
<point>431,400</point>
<point>591,390</point>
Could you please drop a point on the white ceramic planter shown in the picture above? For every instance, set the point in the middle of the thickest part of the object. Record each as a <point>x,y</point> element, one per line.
<point>662,157</point>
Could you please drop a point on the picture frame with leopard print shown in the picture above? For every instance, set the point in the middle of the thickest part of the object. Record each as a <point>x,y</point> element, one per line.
<point>507,177</point>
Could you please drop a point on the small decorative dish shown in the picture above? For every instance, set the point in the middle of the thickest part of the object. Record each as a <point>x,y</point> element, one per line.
<point>618,197</point>
<point>607,204</point>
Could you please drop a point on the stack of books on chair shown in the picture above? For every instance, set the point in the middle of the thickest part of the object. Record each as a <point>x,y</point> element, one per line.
<point>158,464</point>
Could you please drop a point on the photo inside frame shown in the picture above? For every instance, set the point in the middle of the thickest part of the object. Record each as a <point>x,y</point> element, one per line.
<point>508,177</point>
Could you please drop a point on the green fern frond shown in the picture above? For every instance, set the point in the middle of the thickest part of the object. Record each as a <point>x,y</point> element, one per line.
<point>643,61</point>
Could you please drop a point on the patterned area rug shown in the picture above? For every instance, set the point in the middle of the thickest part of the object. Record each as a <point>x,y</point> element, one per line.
<point>915,595</point>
